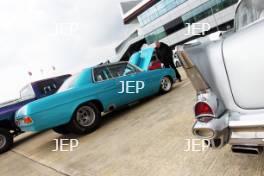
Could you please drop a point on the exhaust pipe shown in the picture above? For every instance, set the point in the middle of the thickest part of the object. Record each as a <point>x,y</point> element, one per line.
<point>256,150</point>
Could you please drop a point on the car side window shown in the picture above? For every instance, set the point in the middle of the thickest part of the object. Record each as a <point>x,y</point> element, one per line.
<point>122,69</point>
<point>48,87</point>
<point>101,74</point>
<point>27,92</point>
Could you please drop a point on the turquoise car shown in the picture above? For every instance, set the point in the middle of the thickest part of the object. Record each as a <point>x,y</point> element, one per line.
<point>78,104</point>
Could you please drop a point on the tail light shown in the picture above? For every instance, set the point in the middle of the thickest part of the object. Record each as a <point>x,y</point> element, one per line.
<point>203,112</point>
<point>27,120</point>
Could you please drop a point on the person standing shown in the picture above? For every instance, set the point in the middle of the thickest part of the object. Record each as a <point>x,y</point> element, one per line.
<point>165,55</point>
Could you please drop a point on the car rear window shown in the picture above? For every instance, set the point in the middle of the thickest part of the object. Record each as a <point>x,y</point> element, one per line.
<point>48,87</point>
<point>27,92</point>
<point>69,83</point>
<point>248,12</point>
<point>101,74</point>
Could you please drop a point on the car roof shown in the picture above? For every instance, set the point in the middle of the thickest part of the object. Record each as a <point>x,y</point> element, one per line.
<point>52,78</point>
<point>110,64</point>
<point>104,65</point>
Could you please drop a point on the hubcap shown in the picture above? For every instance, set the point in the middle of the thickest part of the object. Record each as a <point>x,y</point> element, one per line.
<point>166,84</point>
<point>2,141</point>
<point>85,116</point>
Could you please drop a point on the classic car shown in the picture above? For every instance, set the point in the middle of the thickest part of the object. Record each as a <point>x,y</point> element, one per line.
<point>176,59</point>
<point>228,76</point>
<point>29,93</point>
<point>78,104</point>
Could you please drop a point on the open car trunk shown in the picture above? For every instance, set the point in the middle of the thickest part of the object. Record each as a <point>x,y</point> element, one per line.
<point>142,58</point>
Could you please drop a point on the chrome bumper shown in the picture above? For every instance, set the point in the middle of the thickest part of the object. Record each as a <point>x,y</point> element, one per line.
<point>247,129</point>
<point>235,129</point>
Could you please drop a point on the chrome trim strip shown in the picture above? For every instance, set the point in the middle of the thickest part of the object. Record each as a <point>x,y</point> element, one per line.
<point>250,142</point>
<point>246,124</point>
<point>238,120</point>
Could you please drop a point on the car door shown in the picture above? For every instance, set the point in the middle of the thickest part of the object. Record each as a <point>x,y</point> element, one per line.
<point>128,84</point>
<point>131,82</point>
<point>105,87</point>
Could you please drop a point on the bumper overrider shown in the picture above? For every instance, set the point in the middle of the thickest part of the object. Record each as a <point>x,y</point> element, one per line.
<point>216,131</point>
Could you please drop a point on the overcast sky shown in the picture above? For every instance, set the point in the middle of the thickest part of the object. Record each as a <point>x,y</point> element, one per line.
<point>68,34</point>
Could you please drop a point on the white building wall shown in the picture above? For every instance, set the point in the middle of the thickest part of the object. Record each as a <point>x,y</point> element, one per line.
<point>220,18</point>
<point>214,20</point>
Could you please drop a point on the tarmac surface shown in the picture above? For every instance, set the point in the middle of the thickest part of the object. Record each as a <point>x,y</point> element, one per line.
<point>149,138</point>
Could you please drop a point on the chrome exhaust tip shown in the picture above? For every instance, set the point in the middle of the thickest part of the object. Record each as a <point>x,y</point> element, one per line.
<point>244,149</point>
<point>204,133</point>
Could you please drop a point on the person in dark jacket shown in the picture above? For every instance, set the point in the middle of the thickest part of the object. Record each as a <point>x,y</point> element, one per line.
<point>165,55</point>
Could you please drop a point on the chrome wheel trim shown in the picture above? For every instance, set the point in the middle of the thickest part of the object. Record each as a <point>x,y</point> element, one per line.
<point>2,141</point>
<point>166,84</point>
<point>85,116</point>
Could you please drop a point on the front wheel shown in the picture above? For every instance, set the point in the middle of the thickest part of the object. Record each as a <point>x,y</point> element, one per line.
<point>6,140</point>
<point>165,85</point>
<point>86,119</point>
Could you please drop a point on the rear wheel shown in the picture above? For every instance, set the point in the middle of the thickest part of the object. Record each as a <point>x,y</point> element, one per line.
<point>6,140</point>
<point>165,85</point>
<point>86,119</point>
<point>61,129</point>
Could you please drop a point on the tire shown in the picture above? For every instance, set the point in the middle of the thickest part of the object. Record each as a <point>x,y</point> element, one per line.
<point>61,129</point>
<point>165,85</point>
<point>86,119</point>
<point>213,143</point>
<point>177,64</point>
<point>6,140</point>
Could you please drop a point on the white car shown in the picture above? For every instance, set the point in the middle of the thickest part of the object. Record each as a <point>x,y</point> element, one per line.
<point>176,59</point>
<point>228,77</point>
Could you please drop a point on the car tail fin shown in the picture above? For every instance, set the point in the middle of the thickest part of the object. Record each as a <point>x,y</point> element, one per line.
<point>193,73</point>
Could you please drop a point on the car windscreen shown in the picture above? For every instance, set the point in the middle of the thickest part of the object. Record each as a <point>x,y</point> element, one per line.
<point>248,12</point>
<point>69,83</point>
<point>101,74</point>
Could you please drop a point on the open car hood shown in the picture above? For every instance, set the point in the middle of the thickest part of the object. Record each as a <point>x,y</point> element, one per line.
<point>142,58</point>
